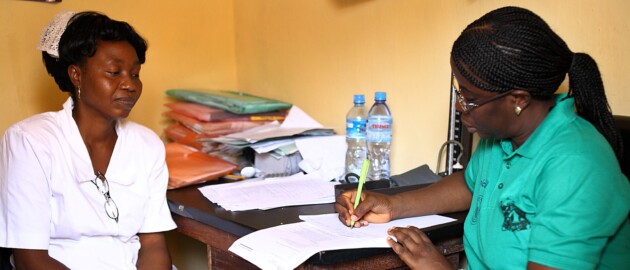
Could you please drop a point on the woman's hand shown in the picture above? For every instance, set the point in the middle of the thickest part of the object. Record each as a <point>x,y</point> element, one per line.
<point>153,252</point>
<point>374,207</point>
<point>416,249</point>
<point>35,259</point>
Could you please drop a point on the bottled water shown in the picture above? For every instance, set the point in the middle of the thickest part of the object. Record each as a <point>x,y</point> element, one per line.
<point>379,138</point>
<point>355,137</point>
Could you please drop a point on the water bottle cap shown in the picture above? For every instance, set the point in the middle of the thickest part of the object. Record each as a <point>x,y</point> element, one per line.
<point>359,99</point>
<point>380,96</point>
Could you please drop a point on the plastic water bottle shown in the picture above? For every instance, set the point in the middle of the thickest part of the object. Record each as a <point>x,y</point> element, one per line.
<point>355,137</point>
<point>379,138</point>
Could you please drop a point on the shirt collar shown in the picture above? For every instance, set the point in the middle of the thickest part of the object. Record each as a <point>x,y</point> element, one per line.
<point>79,155</point>
<point>562,112</point>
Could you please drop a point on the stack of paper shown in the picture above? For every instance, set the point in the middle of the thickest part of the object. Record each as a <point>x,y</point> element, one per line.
<point>297,123</point>
<point>287,246</point>
<point>298,189</point>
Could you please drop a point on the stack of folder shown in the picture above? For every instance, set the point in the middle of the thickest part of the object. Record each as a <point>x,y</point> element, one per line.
<point>198,116</point>
<point>205,122</point>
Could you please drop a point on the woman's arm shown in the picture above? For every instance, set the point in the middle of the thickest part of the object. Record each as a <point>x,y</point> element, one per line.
<point>31,259</point>
<point>450,194</point>
<point>153,252</point>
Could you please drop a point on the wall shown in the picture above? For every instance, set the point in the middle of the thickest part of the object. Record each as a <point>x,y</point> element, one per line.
<point>317,54</point>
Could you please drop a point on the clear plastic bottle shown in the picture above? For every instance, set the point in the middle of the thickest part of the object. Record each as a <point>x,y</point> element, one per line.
<point>355,137</point>
<point>379,138</point>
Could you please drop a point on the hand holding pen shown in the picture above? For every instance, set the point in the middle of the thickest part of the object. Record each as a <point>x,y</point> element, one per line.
<point>373,207</point>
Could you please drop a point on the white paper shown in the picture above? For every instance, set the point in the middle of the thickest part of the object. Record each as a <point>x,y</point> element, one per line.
<point>268,146</point>
<point>324,155</point>
<point>298,189</point>
<point>297,118</point>
<point>287,246</point>
<point>296,122</point>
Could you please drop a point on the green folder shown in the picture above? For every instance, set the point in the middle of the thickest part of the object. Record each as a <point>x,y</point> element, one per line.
<point>232,101</point>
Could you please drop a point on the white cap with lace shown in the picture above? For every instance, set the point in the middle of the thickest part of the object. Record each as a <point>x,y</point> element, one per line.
<point>49,40</point>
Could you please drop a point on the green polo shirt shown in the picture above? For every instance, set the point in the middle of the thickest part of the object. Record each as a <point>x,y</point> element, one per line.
<point>559,200</point>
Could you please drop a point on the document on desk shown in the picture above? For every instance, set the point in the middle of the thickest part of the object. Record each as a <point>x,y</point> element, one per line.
<point>287,246</point>
<point>298,189</point>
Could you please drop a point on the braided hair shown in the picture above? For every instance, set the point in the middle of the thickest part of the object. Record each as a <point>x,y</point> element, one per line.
<point>513,48</point>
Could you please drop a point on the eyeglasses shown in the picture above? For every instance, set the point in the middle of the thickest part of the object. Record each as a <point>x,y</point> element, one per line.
<point>103,186</point>
<point>469,106</point>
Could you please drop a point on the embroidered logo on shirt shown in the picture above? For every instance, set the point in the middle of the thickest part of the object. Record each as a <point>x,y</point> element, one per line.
<point>475,217</point>
<point>479,195</point>
<point>514,217</point>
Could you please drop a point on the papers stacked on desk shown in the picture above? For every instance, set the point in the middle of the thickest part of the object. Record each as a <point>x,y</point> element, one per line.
<point>287,246</point>
<point>276,150</point>
<point>298,189</point>
<point>297,123</point>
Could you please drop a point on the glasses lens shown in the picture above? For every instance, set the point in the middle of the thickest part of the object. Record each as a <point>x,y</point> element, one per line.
<point>102,184</point>
<point>460,98</point>
<point>111,209</point>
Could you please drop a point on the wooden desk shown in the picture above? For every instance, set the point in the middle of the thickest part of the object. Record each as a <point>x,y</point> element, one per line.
<point>207,222</point>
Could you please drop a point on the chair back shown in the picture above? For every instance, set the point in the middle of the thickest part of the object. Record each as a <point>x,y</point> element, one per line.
<point>623,124</point>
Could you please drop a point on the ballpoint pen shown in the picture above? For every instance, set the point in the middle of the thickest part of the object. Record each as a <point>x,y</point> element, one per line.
<point>357,198</point>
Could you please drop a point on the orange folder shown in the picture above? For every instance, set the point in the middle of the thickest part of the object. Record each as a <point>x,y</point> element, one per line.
<point>188,166</point>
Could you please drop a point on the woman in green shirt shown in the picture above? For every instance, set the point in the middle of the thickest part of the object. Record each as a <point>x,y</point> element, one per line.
<point>544,188</point>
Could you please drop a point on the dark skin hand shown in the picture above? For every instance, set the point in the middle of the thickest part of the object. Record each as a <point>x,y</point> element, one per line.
<point>153,252</point>
<point>33,259</point>
<point>380,208</point>
<point>413,246</point>
<point>450,194</point>
<point>416,249</point>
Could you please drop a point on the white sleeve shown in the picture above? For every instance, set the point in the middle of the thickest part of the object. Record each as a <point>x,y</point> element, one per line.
<point>25,216</point>
<point>158,217</point>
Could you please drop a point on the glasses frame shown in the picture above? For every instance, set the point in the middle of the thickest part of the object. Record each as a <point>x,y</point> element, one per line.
<point>467,107</point>
<point>111,209</point>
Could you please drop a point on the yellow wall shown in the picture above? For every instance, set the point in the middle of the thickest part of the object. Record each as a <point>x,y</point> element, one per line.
<point>314,53</point>
<point>318,53</point>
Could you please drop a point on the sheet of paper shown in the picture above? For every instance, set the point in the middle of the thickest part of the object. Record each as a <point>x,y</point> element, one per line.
<point>296,122</point>
<point>298,189</point>
<point>324,155</point>
<point>287,246</point>
<point>331,223</point>
<point>297,118</point>
<point>267,146</point>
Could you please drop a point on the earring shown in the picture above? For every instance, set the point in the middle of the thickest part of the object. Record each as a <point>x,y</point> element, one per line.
<point>78,92</point>
<point>518,110</point>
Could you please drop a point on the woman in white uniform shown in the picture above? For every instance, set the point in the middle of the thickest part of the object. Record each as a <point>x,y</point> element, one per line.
<point>84,188</point>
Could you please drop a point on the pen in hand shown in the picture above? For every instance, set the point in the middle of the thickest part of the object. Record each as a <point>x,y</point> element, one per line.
<point>357,198</point>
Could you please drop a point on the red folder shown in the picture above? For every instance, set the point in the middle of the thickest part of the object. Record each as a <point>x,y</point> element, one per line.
<point>209,114</point>
<point>181,134</point>
<point>187,166</point>
<point>212,129</point>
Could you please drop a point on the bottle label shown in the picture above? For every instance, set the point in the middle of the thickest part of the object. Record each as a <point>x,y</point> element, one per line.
<point>379,128</point>
<point>355,128</point>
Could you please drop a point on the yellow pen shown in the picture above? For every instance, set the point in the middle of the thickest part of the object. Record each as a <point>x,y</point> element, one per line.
<point>357,198</point>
